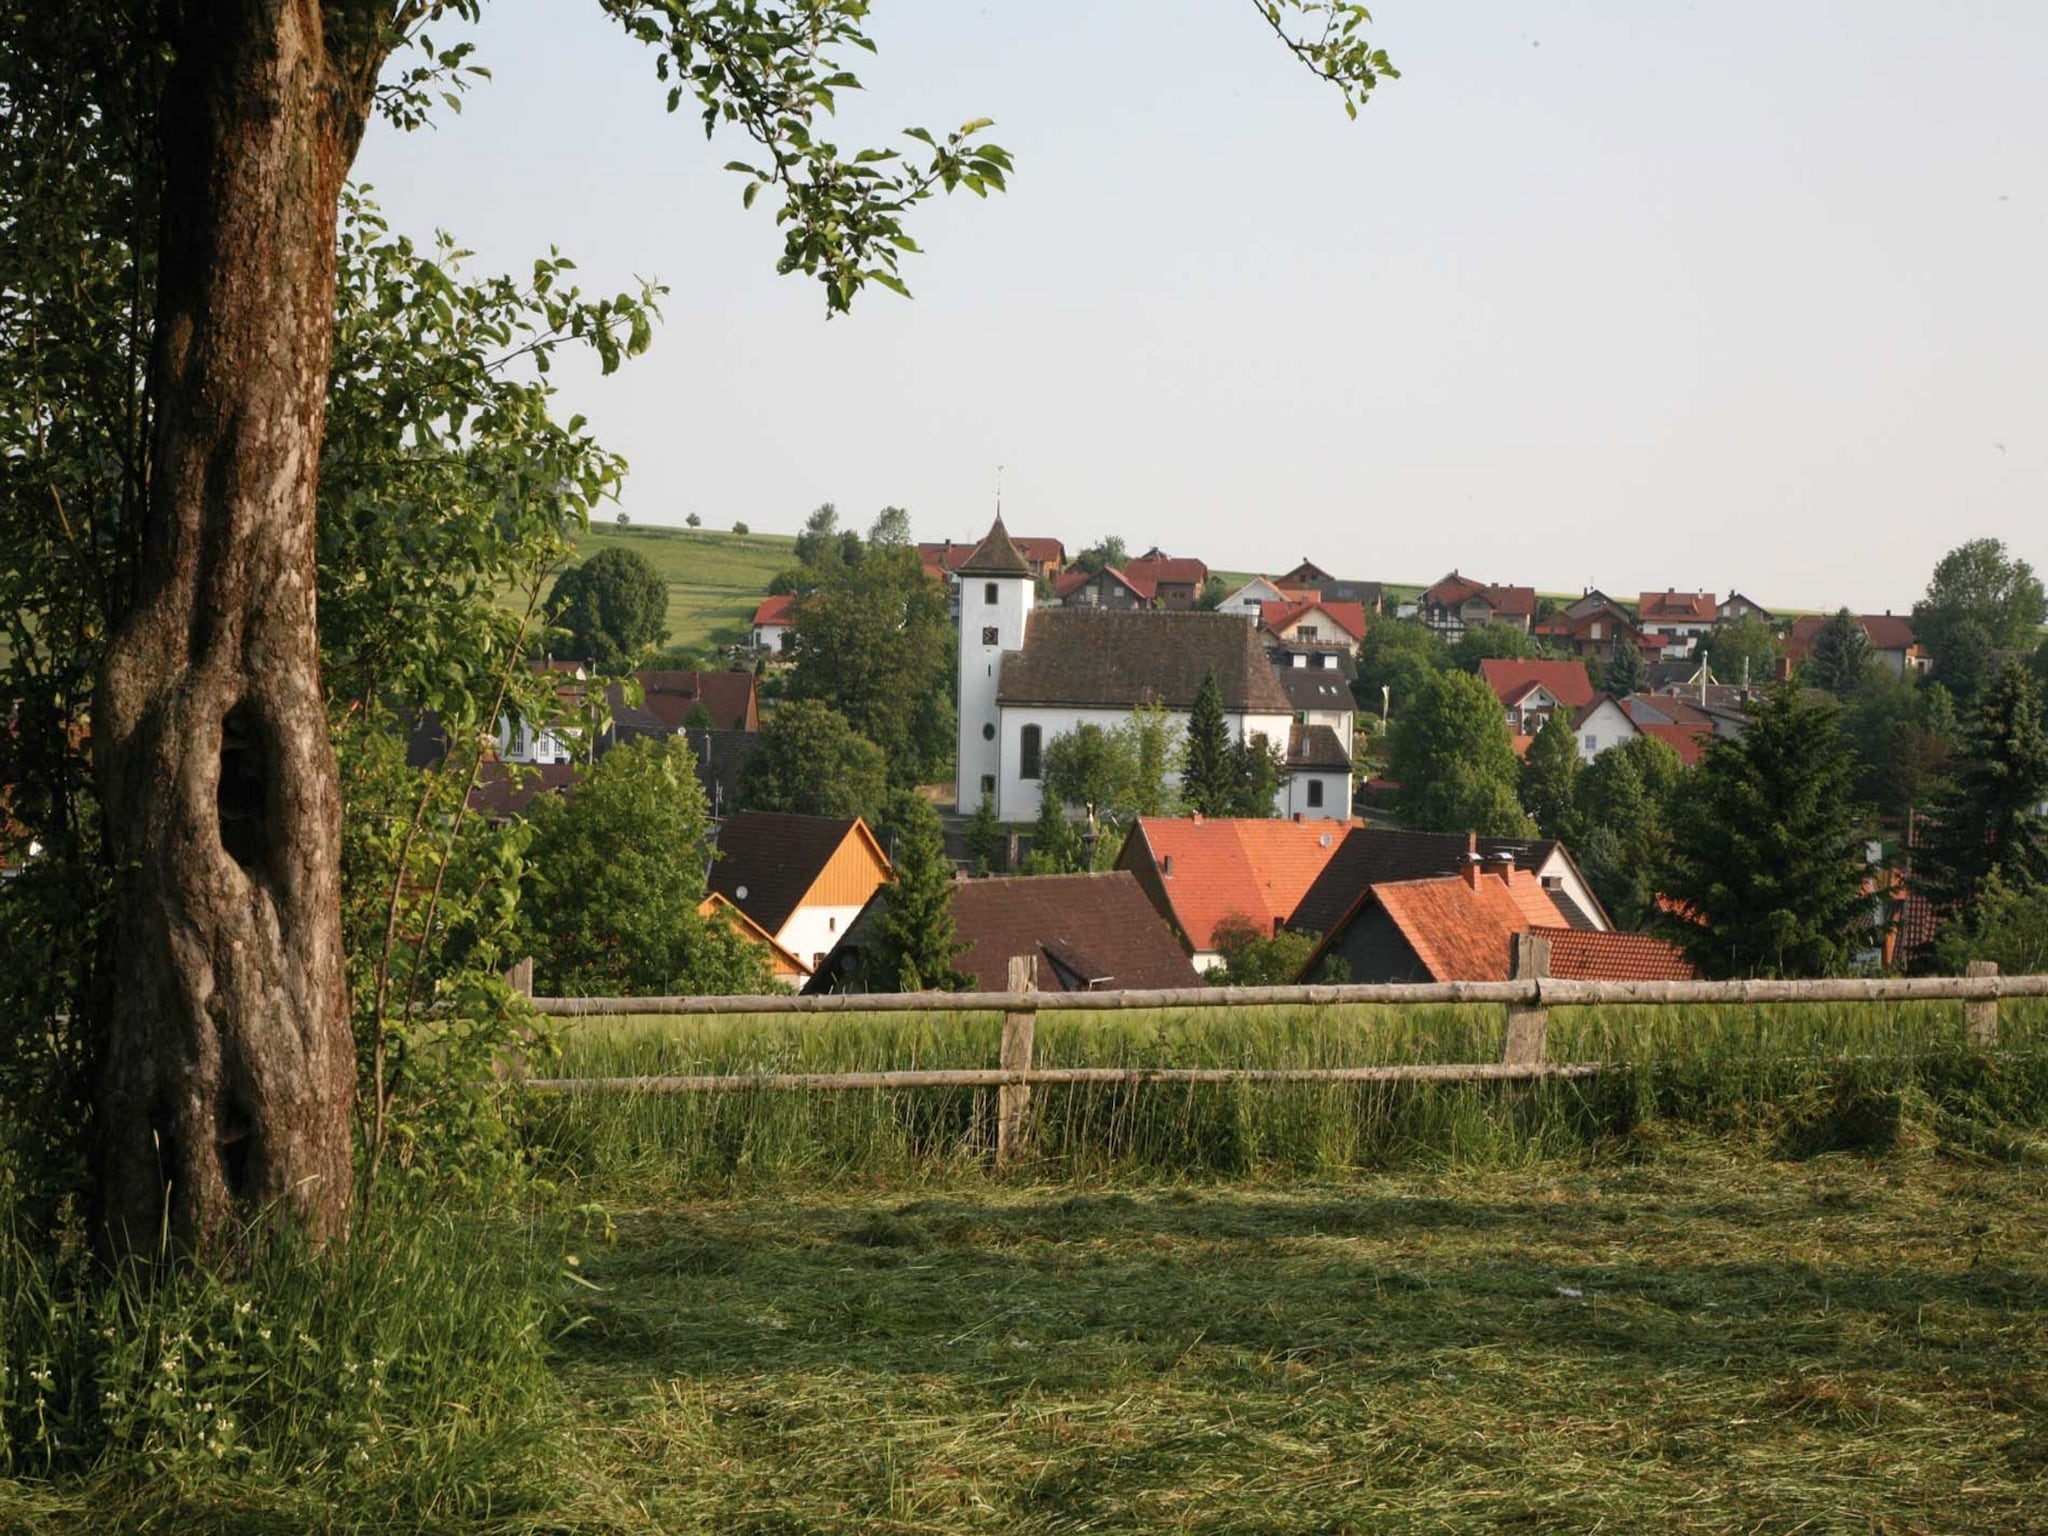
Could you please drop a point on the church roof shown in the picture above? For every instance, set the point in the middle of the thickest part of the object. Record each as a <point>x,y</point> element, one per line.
<point>1109,658</point>
<point>996,555</point>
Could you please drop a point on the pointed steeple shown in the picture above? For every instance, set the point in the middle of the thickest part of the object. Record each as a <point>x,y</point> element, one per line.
<point>996,555</point>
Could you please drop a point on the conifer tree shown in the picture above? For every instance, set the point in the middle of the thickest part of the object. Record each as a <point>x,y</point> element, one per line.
<point>1210,785</point>
<point>985,839</point>
<point>1765,864</point>
<point>1984,821</point>
<point>1625,673</point>
<point>914,941</point>
<point>1550,775</point>
<point>1055,844</point>
<point>1256,768</point>
<point>1841,651</point>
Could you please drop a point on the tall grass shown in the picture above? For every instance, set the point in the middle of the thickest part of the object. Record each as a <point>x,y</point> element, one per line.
<point>404,1376</point>
<point>1771,1069</point>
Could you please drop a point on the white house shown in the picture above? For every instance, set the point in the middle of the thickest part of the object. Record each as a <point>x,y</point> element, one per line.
<point>1028,675</point>
<point>1600,725</point>
<point>773,621</point>
<point>1248,600</point>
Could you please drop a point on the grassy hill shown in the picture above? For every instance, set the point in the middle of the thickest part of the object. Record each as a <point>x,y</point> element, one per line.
<point>715,579</point>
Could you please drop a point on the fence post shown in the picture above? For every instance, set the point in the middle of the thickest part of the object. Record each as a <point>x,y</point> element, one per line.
<point>1980,1020</point>
<point>1527,1023</point>
<point>1013,1100</point>
<point>520,977</point>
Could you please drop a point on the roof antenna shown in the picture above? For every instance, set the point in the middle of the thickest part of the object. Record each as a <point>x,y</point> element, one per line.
<point>999,493</point>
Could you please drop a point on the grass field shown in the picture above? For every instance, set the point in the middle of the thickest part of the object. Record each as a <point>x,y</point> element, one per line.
<point>715,579</point>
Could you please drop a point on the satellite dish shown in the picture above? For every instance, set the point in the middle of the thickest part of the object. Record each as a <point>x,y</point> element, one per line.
<point>739,893</point>
<point>1323,841</point>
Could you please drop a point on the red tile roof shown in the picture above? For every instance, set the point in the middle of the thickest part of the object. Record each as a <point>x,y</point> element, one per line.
<point>1566,680</point>
<point>1451,591</point>
<point>1690,742</point>
<point>1579,954</point>
<point>728,697</point>
<point>950,555</point>
<point>504,789</point>
<point>1675,607</point>
<point>1210,868</point>
<point>1461,929</point>
<point>776,609</point>
<point>1885,631</point>
<point>1349,617</point>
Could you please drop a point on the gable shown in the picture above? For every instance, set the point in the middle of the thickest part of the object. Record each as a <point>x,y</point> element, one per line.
<point>771,863</point>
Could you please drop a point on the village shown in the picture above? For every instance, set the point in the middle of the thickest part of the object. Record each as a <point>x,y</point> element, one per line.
<point>1308,861</point>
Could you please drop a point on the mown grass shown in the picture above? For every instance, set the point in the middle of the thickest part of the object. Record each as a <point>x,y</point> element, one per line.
<point>715,579</point>
<point>1709,1340</point>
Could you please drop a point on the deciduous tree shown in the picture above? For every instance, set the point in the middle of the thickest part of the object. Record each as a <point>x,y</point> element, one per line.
<point>1979,601</point>
<point>809,761</point>
<point>613,609</point>
<point>1400,655</point>
<point>1454,762</point>
<point>1550,776</point>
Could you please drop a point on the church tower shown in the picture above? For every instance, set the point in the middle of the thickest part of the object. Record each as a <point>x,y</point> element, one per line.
<point>996,593</point>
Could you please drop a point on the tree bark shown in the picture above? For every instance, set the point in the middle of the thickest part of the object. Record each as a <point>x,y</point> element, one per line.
<point>226,1071</point>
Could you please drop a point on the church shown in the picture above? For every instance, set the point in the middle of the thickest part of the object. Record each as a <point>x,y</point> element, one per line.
<point>1030,674</point>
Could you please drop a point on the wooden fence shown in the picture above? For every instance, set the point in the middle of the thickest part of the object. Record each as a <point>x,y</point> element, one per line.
<point>1527,998</point>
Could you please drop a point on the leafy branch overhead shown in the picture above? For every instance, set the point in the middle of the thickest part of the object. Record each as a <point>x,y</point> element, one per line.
<point>772,72</point>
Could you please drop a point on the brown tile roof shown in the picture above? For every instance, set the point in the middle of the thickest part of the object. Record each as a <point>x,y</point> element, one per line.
<point>1101,658</point>
<point>1090,932</point>
<point>1579,955</point>
<point>1210,868</point>
<point>1451,591</point>
<point>996,555</point>
<point>504,790</point>
<point>728,696</point>
<point>1150,572</point>
<point>768,860</point>
<point>1349,617</point>
<point>1566,680</point>
<point>1885,631</point>
<point>1674,607</point>
<point>950,556</point>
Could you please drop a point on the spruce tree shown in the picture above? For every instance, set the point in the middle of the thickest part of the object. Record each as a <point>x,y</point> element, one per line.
<point>1625,673</point>
<point>914,943</point>
<point>1210,785</point>
<point>1840,653</point>
<point>1256,768</point>
<point>1765,867</point>
<point>1550,775</point>
<point>1984,820</point>
<point>985,839</point>
<point>1055,844</point>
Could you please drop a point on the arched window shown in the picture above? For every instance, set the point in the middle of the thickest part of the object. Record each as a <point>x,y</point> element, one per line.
<point>1027,752</point>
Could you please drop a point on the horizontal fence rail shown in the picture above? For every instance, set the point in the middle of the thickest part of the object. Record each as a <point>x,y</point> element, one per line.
<point>1527,992</point>
<point>996,1077</point>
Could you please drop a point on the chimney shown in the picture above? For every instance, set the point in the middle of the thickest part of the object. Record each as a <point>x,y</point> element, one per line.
<point>1296,816</point>
<point>1198,818</point>
<point>1472,870</point>
<point>1504,866</point>
<point>1471,845</point>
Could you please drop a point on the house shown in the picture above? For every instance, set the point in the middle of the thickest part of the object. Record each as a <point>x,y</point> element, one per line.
<point>1680,618</point>
<point>1316,771</point>
<point>1463,927</point>
<point>1248,600</point>
<point>729,698</point>
<point>802,879</point>
<point>1590,628</point>
<point>1312,621</point>
<point>1683,727</point>
<point>784,966</point>
<point>1171,582</point>
<point>721,758</point>
<point>773,621</point>
<point>1198,871</point>
<point>1084,933</point>
<point>1371,856</point>
<point>1030,674</point>
<point>1890,635</point>
<point>1338,659</point>
<point>1601,725</point>
<point>1532,691</point>
<point>1319,696</point>
<point>1310,577</point>
<point>1735,607</point>
<point>1458,603</point>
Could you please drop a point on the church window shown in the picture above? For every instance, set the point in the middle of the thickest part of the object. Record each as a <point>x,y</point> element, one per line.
<point>988,593</point>
<point>1027,752</point>
<point>988,731</point>
<point>1315,794</point>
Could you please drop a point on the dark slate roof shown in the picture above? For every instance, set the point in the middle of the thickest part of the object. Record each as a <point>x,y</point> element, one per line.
<point>505,790</point>
<point>1088,932</point>
<point>1316,748</point>
<point>1319,688</point>
<point>768,859</point>
<point>1338,660</point>
<point>721,759</point>
<point>1371,856</point>
<point>1106,658</point>
<point>996,555</point>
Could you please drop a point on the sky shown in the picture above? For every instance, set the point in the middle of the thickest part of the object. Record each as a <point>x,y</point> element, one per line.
<point>1623,293</point>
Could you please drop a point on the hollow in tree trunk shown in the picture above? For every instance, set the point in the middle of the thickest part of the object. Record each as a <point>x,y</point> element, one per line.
<point>226,1064</point>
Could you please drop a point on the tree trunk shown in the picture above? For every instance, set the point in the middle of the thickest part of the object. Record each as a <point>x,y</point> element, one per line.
<point>226,1068</point>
